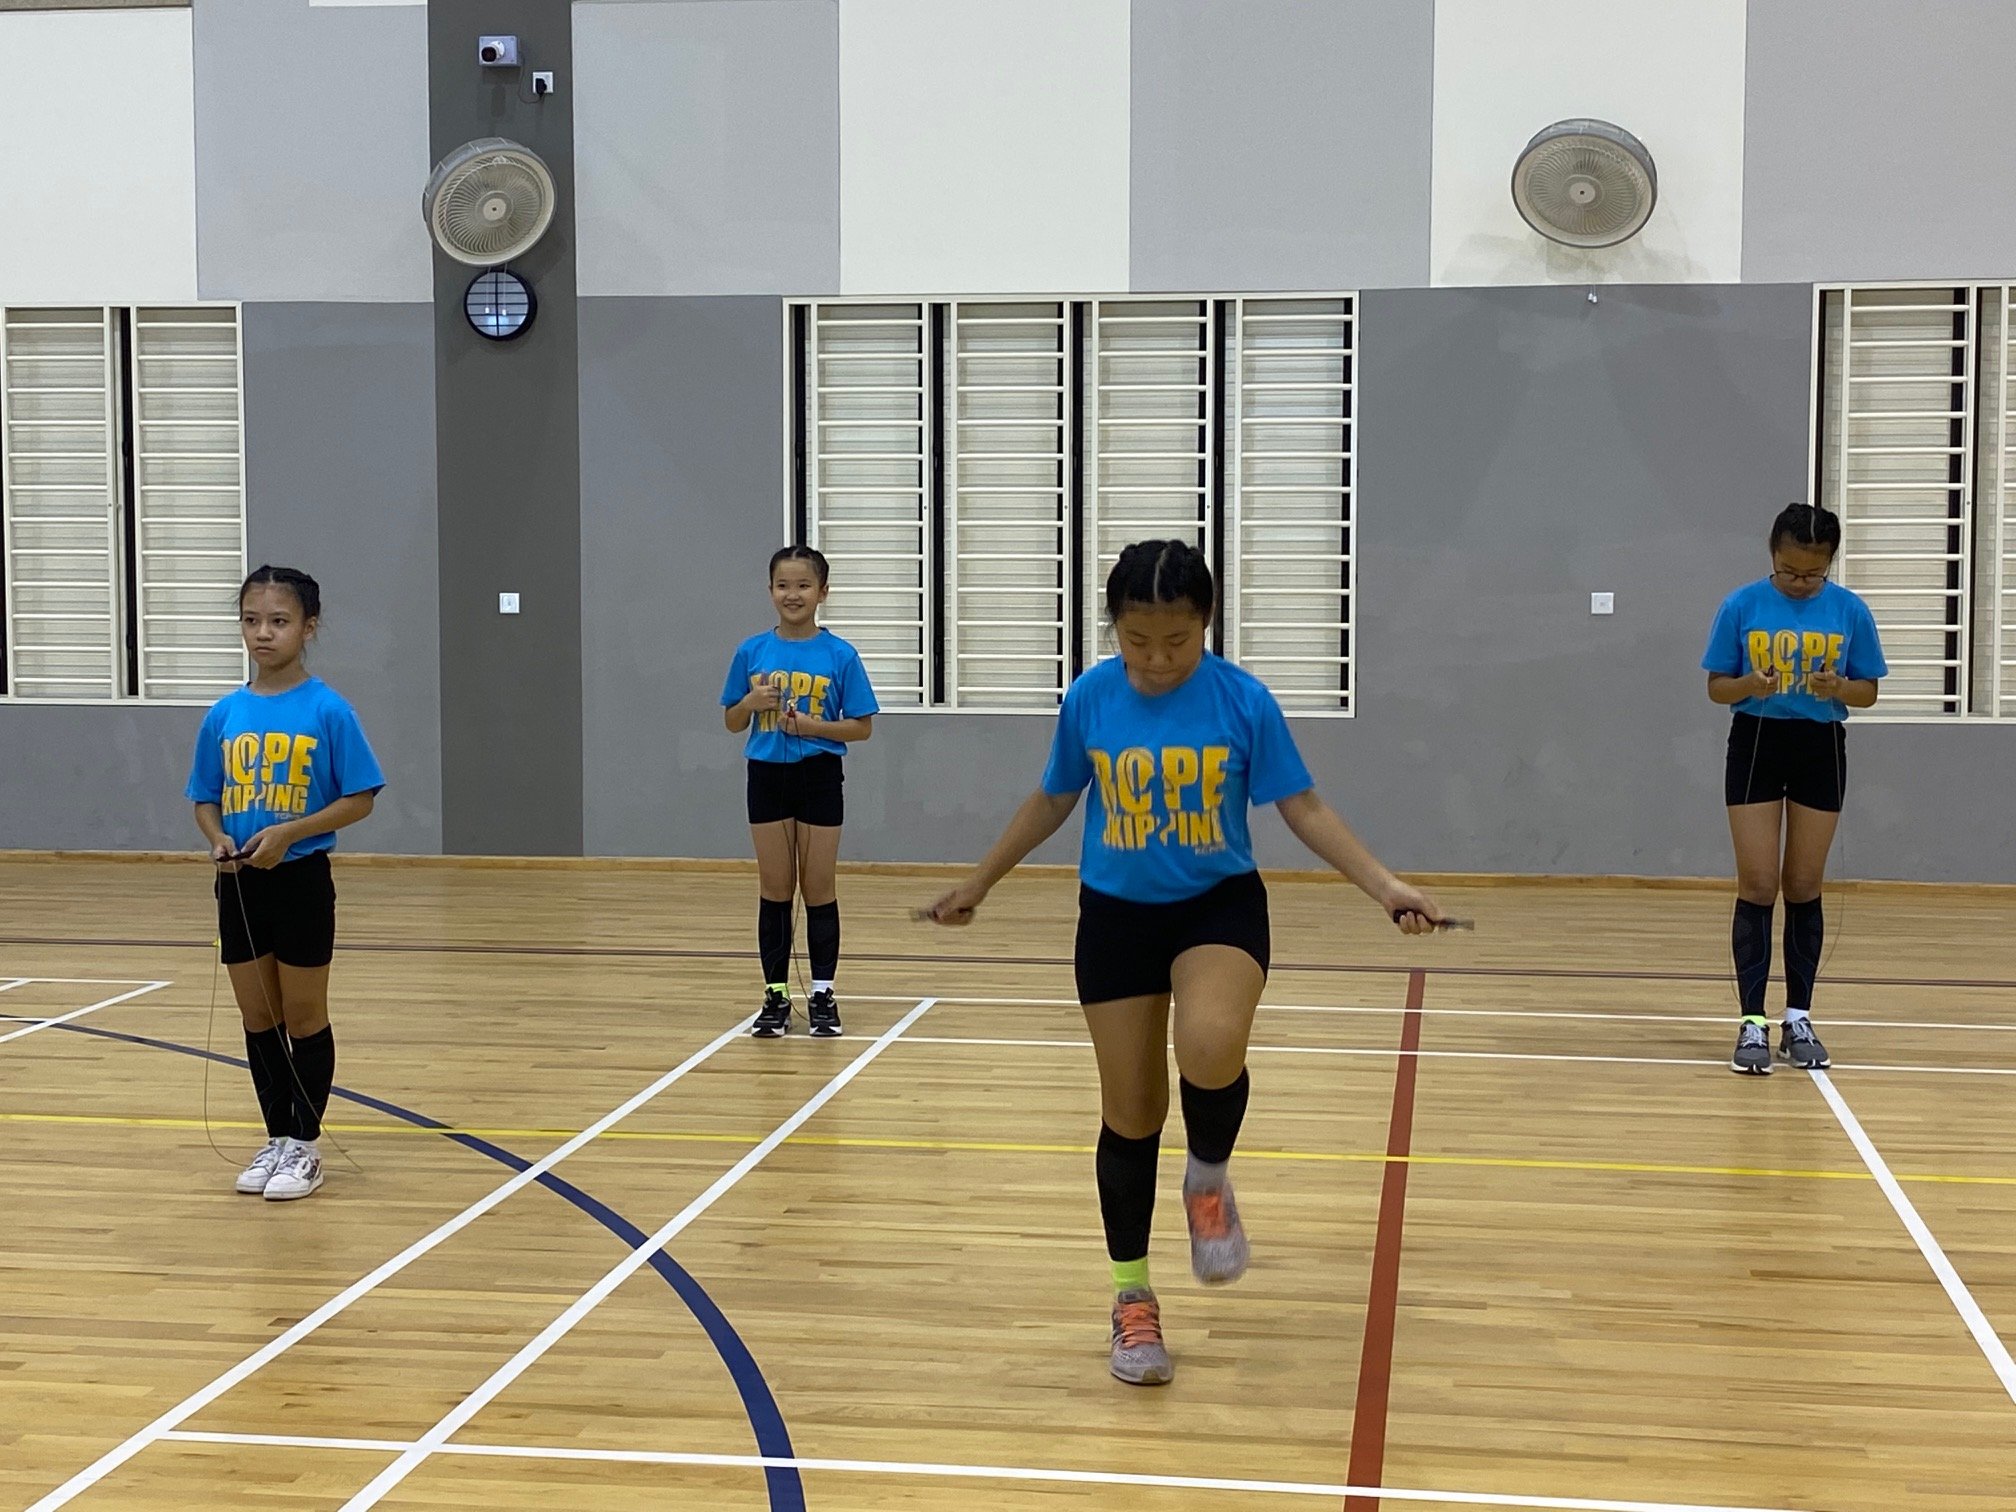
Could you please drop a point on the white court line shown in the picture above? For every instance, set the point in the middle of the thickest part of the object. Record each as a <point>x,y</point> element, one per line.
<point>175,1416</point>
<point>970,1472</point>
<point>1828,1020</point>
<point>64,1018</point>
<point>1956,1289</point>
<point>1489,1055</point>
<point>457,1416</point>
<point>85,981</point>
<point>9,986</point>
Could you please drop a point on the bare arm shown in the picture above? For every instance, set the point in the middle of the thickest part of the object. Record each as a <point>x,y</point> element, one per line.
<point>761,699</point>
<point>1724,689</point>
<point>1040,816</point>
<point>210,820</point>
<point>845,731</point>
<point>268,848</point>
<point>1856,692</point>
<point>1323,830</point>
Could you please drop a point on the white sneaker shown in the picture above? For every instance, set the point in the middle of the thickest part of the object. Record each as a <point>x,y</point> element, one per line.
<point>252,1180</point>
<point>300,1172</point>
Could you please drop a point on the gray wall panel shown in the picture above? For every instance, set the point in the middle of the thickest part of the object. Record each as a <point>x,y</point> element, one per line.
<point>709,147</point>
<point>1521,448</point>
<point>339,472</point>
<point>76,778</point>
<point>509,468</point>
<point>1281,144</point>
<point>311,151</point>
<point>1876,141</point>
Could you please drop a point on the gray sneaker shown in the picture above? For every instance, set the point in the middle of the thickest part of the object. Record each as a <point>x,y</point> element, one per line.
<point>1801,1046</point>
<point>1753,1050</point>
<point>1218,1248</point>
<point>1138,1356</point>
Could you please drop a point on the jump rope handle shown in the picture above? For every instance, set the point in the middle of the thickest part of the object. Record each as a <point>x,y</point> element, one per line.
<point>1441,925</point>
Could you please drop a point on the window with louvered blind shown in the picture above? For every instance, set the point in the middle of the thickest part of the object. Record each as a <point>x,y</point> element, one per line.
<point>1007,507</point>
<point>867,379</point>
<point>122,511</point>
<point>1290,567</point>
<point>1149,422</point>
<point>1912,443</point>
<point>995,455</point>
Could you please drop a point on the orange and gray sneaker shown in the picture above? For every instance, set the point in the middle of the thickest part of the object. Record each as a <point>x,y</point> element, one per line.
<point>1138,1356</point>
<point>1218,1248</point>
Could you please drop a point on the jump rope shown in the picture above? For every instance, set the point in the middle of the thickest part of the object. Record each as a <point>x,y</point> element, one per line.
<point>279,1021</point>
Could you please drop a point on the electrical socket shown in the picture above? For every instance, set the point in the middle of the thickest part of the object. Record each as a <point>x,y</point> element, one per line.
<point>507,603</point>
<point>1602,603</point>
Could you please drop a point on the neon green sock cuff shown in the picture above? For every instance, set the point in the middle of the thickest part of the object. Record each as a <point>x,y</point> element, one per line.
<point>1758,1019</point>
<point>1130,1275</point>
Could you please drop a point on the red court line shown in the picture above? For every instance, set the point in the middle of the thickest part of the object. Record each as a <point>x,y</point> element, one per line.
<point>904,958</point>
<point>1375,1360</point>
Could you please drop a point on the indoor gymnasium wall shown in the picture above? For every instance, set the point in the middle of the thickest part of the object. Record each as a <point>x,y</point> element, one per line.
<point>1519,446</point>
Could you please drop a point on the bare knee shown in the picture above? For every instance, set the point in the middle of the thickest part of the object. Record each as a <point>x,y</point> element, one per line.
<point>1135,1115</point>
<point>1758,885</point>
<point>1212,1065</point>
<point>1802,886</point>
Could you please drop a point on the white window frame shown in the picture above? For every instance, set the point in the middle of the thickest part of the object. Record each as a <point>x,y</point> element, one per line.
<point>128,519</point>
<point>1221,424</point>
<point>1985,605</point>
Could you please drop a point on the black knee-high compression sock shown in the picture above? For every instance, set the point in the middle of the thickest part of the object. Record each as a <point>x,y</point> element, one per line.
<point>773,939</point>
<point>266,1055</point>
<point>1805,933</point>
<point>1212,1116</point>
<point>1750,943</point>
<point>822,939</point>
<point>315,1068</point>
<point>1126,1170</point>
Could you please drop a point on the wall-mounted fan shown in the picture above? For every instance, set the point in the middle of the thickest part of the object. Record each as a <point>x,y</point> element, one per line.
<point>489,201</point>
<point>1585,183</point>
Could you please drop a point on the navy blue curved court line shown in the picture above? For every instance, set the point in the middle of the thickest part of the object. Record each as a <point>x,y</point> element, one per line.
<point>773,1439</point>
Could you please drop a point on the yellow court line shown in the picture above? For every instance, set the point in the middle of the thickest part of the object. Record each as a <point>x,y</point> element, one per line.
<point>1002,1147</point>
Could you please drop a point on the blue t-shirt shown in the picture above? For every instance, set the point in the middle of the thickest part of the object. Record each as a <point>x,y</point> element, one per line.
<point>1757,626</point>
<point>266,759</point>
<point>821,677</point>
<point>1171,777</point>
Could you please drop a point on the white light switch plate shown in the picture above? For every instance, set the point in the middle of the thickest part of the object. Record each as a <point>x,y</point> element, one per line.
<point>1602,603</point>
<point>507,603</point>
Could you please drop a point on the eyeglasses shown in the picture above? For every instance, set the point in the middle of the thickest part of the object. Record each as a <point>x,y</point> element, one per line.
<point>1800,578</point>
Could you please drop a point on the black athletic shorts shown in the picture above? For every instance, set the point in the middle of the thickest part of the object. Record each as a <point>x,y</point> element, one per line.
<point>288,913</point>
<point>1805,760</point>
<point>1126,949</point>
<point>808,790</point>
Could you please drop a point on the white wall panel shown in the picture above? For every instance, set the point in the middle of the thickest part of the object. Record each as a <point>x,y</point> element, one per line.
<point>98,158</point>
<point>983,145</point>
<point>1669,71</point>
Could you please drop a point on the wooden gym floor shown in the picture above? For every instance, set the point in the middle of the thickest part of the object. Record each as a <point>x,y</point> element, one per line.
<point>1521,1239</point>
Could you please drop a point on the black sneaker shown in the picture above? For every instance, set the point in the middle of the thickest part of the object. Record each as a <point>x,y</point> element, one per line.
<point>1801,1046</point>
<point>823,1009</point>
<point>773,1020</point>
<point>1753,1050</point>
